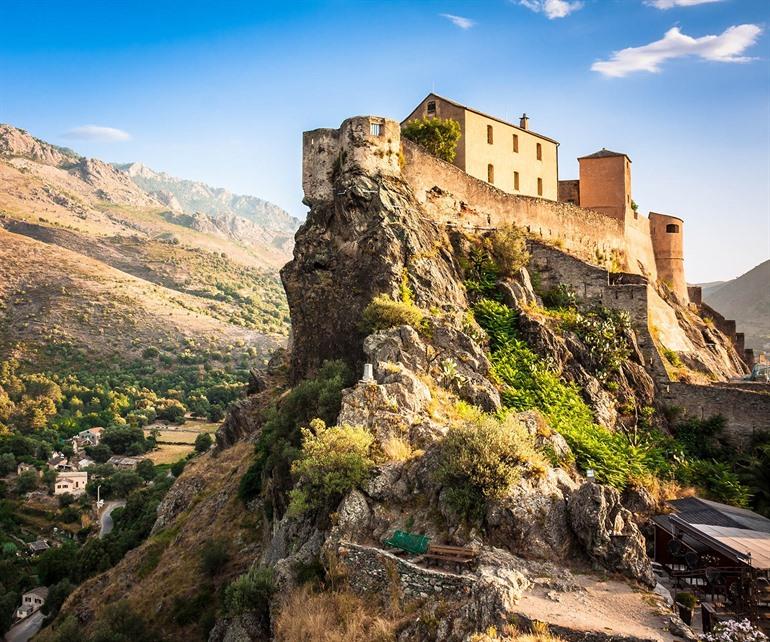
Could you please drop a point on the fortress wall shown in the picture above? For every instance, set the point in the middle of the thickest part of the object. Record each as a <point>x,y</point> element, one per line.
<point>628,292</point>
<point>639,247</point>
<point>440,186</point>
<point>747,412</point>
<point>320,151</point>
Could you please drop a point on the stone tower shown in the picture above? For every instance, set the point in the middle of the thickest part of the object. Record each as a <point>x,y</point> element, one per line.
<point>605,183</point>
<point>667,232</point>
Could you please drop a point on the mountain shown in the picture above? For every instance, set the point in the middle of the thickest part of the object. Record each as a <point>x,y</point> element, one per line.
<point>194,198</point>
<point>747,300</point>
<point>92,264</point>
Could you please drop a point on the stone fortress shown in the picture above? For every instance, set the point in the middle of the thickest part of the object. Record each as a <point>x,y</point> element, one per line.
<point>586,233</point>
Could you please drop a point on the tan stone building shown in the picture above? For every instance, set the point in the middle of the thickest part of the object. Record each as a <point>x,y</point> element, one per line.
<point>512,158</point>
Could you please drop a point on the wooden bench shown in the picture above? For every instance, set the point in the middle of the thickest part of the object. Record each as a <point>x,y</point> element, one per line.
<point>409,542</point>
<point>458,555</point>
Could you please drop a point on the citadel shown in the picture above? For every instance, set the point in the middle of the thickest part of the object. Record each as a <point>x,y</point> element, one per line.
<point>587,234</point>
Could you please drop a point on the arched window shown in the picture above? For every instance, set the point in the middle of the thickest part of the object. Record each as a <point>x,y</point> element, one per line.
<point>490,173</point>
<point>672,228</point>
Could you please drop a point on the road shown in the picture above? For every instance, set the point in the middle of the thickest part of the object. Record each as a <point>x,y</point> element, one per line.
<point>106,518</point>
<point>25,629</point>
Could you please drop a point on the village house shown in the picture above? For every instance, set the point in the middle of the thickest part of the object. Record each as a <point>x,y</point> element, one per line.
<point>32,601</point>
<point>59,462</point>
<point>23,468</point>
<point>84,462</point>
<point>124,463</point>
<point>513,158</point>
<point>37,547</point>
<point>73,483</point>
<point>93,435</point>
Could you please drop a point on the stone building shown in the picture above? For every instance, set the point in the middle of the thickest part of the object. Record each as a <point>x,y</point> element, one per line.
<point>73,483</point>
<point>512,158</point>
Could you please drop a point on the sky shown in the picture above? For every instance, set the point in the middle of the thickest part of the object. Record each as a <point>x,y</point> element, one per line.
<point>221,91</point>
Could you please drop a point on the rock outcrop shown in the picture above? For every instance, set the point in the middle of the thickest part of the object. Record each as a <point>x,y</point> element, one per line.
<point>357,246</point>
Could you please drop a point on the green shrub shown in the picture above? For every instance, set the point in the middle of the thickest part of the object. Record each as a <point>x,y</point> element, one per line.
<point>559,297</point>
<point>604,332</point>
<point>177,467</point>
<point>250,592</point>
<point>686,599</point>
<point>508,246</point>
<point>672,357</point>
<point>383,313</point>
<point>203,442</point>
<point>213,557</point>
<point>281,437</point>
<point>439,136</point>
<point>715,479</point>
<point>482,458</point>
<point>332,462</point>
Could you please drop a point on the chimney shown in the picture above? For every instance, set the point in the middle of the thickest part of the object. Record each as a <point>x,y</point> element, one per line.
<point>524,121</point>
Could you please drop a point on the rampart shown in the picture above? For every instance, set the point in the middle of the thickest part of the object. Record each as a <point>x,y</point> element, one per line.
<point>747,412</point>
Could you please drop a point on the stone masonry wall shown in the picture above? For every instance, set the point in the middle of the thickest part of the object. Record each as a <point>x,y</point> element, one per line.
<point>588,234</point>
<point>628,292</point>
<point>374,571</point>
<point>747,412</point>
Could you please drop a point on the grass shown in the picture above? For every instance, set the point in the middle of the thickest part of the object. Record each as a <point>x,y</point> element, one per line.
<point>169,453</point>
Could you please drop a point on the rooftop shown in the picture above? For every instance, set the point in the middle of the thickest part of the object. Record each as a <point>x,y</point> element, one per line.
<point>604,153</point>
<point>481,113</point>
<point>40,591</point>
<point>695,510</point>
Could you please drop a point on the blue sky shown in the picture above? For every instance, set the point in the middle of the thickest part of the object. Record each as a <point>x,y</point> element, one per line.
<point>221,91</point>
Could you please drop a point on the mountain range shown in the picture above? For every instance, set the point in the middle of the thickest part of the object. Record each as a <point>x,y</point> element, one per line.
<point>747,300</point>
<point>93,262</point>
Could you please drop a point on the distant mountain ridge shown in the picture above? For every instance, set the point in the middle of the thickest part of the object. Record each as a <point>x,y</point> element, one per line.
<point>192,197</point>
<point>747,300</point>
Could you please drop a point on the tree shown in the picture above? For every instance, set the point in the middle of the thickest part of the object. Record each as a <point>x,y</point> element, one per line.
<point>439,136</point>
<point>7,463</point>
<point>120,440</point>
<point>203,442</point>
<point>99,453</point>
<point>177,467</point>
<point>26,482</point>
<point>145,469</point>
<point>55,564</point>
<point>171,410</point>
<point>216,413</point>
<point>214,556</point>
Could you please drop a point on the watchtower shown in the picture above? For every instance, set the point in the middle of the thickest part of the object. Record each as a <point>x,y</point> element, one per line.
<point>667,244</point>
<point>605,183</point>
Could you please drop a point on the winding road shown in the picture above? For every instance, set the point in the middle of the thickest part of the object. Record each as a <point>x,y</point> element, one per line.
<point>105,520</point>
<point>25,629</point>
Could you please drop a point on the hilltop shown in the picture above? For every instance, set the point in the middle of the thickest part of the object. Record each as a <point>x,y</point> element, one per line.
<point>747,300</point>
<point>93,263</point>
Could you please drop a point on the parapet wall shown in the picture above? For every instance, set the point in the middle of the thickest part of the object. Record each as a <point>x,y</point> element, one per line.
<point>454,197</point>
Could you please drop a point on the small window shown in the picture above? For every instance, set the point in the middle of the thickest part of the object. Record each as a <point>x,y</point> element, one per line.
<point>516,143</point>
<point>539,186</point>
<point>516,181</point>
<point>375,129</point>
<point>539,152</point>
<point>490,136</point>
<point>672,228</point>
<point>431,108</point>
<point>490,173</point>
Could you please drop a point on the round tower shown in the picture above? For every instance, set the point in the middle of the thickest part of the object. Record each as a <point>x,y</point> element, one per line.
<point>667,233</point>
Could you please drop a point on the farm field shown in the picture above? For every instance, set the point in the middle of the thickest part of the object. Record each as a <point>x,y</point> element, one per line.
<point>176,442</point>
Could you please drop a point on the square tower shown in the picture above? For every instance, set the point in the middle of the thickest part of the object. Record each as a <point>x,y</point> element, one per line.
<point>605,183</point>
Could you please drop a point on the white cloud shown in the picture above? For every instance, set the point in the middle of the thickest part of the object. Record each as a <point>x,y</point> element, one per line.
<point>726,47</point>
<point>458,21</point>
<point>97,133</point>
<point>670,4</point>
<point>552,8</point>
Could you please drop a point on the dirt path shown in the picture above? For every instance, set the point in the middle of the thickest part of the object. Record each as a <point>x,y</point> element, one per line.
<point>607,606</point>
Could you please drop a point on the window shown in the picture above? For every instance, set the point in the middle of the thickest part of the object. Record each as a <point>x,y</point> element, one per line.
<point>672,228</point>
<point>489,134</point>
<point>516,181</point>
<point>375,129</point>
<point>490,173</point>
<point>539,152</point>
<point>516,143</point>
<point>539,186</point>
<point>431,108</point>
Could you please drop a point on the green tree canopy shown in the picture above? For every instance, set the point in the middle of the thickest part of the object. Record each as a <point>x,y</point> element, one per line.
<point>438,135</point>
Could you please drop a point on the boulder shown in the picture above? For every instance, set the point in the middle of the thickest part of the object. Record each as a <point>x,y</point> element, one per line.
<point>608,532</point>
